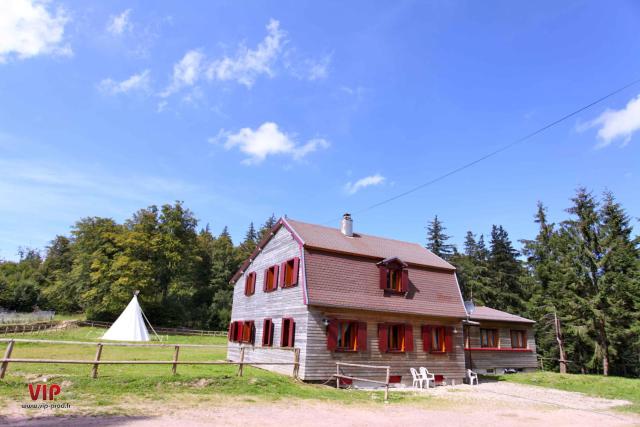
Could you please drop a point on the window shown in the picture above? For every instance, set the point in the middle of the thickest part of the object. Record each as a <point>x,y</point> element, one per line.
<point>437,339</point>
<point>518,338</point>
<point>271,278</point>
<point>235,331</point>
<point>394,279</point>
<point>250,284</point>
<point>346,335</point>
<point>489,338</point>
<point>248,332</point>
<point>289,272</point>
<point>395,337</point>
<point>267,333</point>
<point>287,333</point>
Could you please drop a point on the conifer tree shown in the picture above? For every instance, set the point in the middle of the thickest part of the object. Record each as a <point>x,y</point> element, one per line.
<point>437,239</point>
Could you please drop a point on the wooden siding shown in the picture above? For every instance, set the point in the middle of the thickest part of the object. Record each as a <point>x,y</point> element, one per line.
<point>275,305</point>
<point>483,360</point>
<point>320,362</point>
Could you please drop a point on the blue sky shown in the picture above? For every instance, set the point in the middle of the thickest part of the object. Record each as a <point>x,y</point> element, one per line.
<point>311,109</point>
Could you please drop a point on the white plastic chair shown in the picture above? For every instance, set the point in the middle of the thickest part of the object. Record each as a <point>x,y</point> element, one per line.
<point>472,377</point>
<point>426,376</point>
<point>417,379</point>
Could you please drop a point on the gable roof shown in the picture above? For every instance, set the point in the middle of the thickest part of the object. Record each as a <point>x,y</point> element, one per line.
<point>331,239</point>
<point>487,313</point>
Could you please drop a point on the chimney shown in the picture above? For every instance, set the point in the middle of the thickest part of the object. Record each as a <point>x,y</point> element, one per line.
<point>346,225</point>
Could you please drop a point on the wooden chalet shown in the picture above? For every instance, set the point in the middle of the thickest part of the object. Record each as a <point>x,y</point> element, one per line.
<point>342,296</point>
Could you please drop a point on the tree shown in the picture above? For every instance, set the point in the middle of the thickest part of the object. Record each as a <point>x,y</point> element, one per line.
<point>249,243</point>
<point>506,272</point>
<point>472,270</point>
<point>224,265</point>
<point>437,239</point>
<point>267,226</point>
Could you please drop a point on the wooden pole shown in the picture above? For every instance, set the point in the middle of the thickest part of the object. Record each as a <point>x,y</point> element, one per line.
<point>175,359</point>
<point>386,387</point>
<point>94,371</point>
<point>563,358</point>
<point>241,365</point>
<point>7,355</point>
<point>296,363</point>
<point>337,375</point>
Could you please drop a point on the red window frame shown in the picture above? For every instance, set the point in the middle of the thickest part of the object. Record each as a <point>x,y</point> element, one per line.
<point>520,340</point>
<point>395,337</point>
<point>394,279</point>
<point>235,331</point>
<point>267,333</point>
<point>437,339</point>
<point>346,335</point>
<point>250,284</point>
<point>287,332</point>
<point>248,332</point>
<point>489,338</point>
<point>271,278</point>
<point>289,273</point>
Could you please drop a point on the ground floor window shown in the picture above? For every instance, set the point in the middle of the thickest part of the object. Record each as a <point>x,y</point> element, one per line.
<point>287,333</point>
<point>248,332</point>
<point>437,339</point>
<point>489,338</point>
<point>518,338</point>
<point>267,333</point>
<point>395,337</point>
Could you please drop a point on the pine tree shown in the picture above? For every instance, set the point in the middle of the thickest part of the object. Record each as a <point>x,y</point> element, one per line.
<point>506,272</point>
<point>437,239</point>
<point>267,226</point>
<point>224,265</point>
<point>472,271</point>
<point>249,243</point>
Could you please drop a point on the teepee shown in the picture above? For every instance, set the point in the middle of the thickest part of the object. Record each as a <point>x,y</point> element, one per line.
<point>130,325</point>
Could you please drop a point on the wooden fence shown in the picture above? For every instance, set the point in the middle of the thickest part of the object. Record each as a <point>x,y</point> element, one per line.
<point>97,361</point>
<point>170,331</point>
<point>27,327</point>
<point>339,375</point>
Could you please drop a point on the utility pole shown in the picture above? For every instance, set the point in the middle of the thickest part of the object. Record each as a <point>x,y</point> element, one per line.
<point>563,358</point>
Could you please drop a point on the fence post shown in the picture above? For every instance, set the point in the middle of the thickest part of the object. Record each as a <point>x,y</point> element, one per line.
<point>337,373</point>
<point>240,366</point>
<point>7,356</point>
<point>94,371</point>
<point>296,362</point>
<point>175,359</point>
<point>386,386</point>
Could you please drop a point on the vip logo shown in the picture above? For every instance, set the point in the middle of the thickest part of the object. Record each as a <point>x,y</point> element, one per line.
<point>54,390</point>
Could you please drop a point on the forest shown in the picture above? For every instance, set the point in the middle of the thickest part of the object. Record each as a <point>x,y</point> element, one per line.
<point>583,271</point>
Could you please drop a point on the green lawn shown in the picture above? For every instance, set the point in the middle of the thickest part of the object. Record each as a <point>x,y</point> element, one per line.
<point>593,385</point>
<point>119,385</point>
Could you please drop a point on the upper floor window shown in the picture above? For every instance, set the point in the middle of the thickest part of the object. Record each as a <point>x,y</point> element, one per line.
<point>518,338</point>
<point>250,284</point>
<point>489,338</point>
<point>289,272</point>
<point>271,278</point>
<point>394,275</point>
<point>395,337</point>
<point>287,333</point>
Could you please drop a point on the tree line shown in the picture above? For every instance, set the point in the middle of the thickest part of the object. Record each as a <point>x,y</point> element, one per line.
<point>583,271</point>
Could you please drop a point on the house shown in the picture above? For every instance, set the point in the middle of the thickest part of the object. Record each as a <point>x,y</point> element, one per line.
<point>341,296</point>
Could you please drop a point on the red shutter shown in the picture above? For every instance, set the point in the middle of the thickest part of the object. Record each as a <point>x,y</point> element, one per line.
<point>332,335</point>
<point>382,337</point>
<point>362,336</point>
<point>271,328</point>
<point>383,277</point>
<point>265,332</point>
<point>426,337</point>
<point>239,328</point>
<point>230,333</point>
<point>276,270</point>
<point>294,273</point>
<point>408,337</point>
<point>283,269</point>
<point>448,339</point>
<point>292,332</point>
<point>253,333</point>
<point>405,280</point>
<point>264,281</point>
<point>253,282</point>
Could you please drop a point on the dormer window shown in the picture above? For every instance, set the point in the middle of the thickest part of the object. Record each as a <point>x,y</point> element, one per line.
<point>394,275</point>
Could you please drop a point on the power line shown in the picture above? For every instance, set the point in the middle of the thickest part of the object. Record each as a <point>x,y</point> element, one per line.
<point>495,152</point>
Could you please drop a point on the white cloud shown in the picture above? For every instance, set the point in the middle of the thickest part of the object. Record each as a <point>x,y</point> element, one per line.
<point>186,72</point>
<point>138,81</point>
<point>28,29</point>
<point>119,24</point>
<point>352,188</point>
<point>266,140</point>
<point>616,124</point>
<point>248,64</point>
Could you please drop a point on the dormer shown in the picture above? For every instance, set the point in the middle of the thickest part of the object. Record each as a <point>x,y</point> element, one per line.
<point>394,275</point>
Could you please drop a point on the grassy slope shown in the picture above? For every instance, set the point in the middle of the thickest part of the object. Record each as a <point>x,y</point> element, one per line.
<point>593,385</point>
<point>117,385</point>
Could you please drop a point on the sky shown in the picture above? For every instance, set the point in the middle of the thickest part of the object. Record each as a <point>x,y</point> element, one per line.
<point>311,109</point>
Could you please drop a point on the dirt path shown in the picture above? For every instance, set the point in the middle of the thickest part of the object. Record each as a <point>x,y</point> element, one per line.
<point>487,405</point>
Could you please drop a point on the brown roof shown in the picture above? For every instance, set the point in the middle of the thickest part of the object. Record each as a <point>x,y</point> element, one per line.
<point>331,239</point>
<point>486,313</point>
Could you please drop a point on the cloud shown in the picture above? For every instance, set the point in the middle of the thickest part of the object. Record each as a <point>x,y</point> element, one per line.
<point>616,124</point>
<point>352,188</point>
<point>310,69</point>
<point>28,29</point>
<point>266,140</point>
<point>248,64</point>
<point>119,24</point>
<point>138,81</point>
<point>186,72</point>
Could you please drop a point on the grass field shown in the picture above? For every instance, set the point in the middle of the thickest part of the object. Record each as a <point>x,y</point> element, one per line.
<point>118,386</point>
<point>592,385</point>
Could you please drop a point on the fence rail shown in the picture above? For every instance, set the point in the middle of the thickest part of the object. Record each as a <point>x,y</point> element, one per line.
<point>95,363</point>
<point>172,331</point>
<point>28,327</point>
<point>338,376</point>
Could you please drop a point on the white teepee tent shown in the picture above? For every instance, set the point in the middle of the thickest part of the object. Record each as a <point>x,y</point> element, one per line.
<point>130,325</point>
